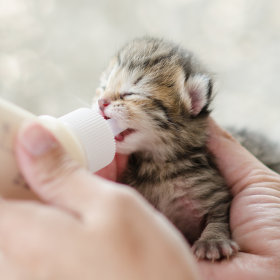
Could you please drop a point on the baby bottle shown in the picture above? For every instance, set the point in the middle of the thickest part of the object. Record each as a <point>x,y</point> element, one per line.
<point>84,134</point>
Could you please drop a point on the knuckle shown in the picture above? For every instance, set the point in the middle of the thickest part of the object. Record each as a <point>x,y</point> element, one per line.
<point>123,199</point>
<point>119,206</point>
<point>261,175</point>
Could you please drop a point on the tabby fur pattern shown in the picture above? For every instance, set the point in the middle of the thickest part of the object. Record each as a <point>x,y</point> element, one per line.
<point>160,95</point>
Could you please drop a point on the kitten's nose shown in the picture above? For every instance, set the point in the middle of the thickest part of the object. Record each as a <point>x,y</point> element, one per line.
<point>103,102</point>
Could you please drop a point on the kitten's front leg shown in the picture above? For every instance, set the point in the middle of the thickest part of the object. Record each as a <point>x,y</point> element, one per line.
<point>215,242</point>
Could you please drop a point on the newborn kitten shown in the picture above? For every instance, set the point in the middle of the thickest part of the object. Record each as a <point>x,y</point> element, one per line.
<point>261,147</point>
<point>160,95</point>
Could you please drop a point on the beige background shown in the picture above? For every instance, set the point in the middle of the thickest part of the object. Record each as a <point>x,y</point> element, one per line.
<point>52,51</point>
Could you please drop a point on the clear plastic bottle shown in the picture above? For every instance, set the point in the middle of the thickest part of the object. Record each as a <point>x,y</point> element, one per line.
<point>84,134</point>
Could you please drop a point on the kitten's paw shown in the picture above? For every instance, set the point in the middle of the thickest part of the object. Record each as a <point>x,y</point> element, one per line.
<point>215,249</point>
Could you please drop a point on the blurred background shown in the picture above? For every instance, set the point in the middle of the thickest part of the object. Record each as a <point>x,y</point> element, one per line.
<point>53,51</point>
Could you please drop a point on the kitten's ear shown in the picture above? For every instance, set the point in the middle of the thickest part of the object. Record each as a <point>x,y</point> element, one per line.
<point>198,89</point>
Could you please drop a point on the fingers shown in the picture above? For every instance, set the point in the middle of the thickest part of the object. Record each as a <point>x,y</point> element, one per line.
<point>114,170</point>
<point>21,221</point>
<point>52,174</point>
<point>19,225</point>
<point>33,233</point>
<point>109,172</point>
<point>234,161</point>
<point>121,161</point>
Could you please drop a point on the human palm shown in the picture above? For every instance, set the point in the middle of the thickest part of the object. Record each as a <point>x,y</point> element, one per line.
<point>254,216</point>
<point>255,227</point>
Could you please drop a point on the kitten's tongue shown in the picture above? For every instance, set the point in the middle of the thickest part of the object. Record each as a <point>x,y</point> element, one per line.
<point>119,133</point>
<point>119,137</point>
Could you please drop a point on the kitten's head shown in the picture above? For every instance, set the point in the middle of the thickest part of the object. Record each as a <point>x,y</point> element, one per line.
<point>159,94</point>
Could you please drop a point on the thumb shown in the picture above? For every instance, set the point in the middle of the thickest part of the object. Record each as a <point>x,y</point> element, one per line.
<point>237,165</point>
<point>51,173</point>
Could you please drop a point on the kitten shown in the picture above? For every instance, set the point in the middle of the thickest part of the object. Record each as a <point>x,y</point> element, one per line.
<point>261,147</point>
<point>160,95</point>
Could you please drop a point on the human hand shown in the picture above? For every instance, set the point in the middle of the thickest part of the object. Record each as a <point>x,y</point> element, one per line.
<point>254,215</point>
<point>114,170</point>
<point>88,228</point>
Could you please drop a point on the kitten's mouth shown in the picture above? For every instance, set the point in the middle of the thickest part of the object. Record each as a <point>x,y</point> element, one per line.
<point>120,137</point>
<point>103,115</point>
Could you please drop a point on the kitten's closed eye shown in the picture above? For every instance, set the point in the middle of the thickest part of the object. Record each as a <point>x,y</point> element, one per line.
<point>126,94</point>
<point>132,96</point>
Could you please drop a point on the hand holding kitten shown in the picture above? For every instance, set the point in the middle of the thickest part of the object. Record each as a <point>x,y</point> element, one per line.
<point>255,212</point>
<point>88,227</point>
<point>57,235</point>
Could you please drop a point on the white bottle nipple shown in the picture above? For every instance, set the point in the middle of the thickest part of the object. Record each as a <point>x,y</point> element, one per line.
<point>95,134</point>
<point>114,126</point>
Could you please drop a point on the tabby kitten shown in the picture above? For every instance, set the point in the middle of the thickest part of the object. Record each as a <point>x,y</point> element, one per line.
<point>160,95</point>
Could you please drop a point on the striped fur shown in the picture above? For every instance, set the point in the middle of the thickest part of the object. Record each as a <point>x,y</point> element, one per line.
<point>162,94</point>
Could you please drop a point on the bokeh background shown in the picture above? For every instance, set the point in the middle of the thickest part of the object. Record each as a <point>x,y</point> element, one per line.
<point>53,51</point>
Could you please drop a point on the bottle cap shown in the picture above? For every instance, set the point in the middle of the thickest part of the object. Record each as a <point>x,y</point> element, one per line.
<point>95,135</point>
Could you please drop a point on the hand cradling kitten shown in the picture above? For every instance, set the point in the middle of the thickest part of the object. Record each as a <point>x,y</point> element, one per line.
<point>160,94</point>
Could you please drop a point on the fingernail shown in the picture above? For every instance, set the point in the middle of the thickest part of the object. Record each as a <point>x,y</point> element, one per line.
<point>36,140</point>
